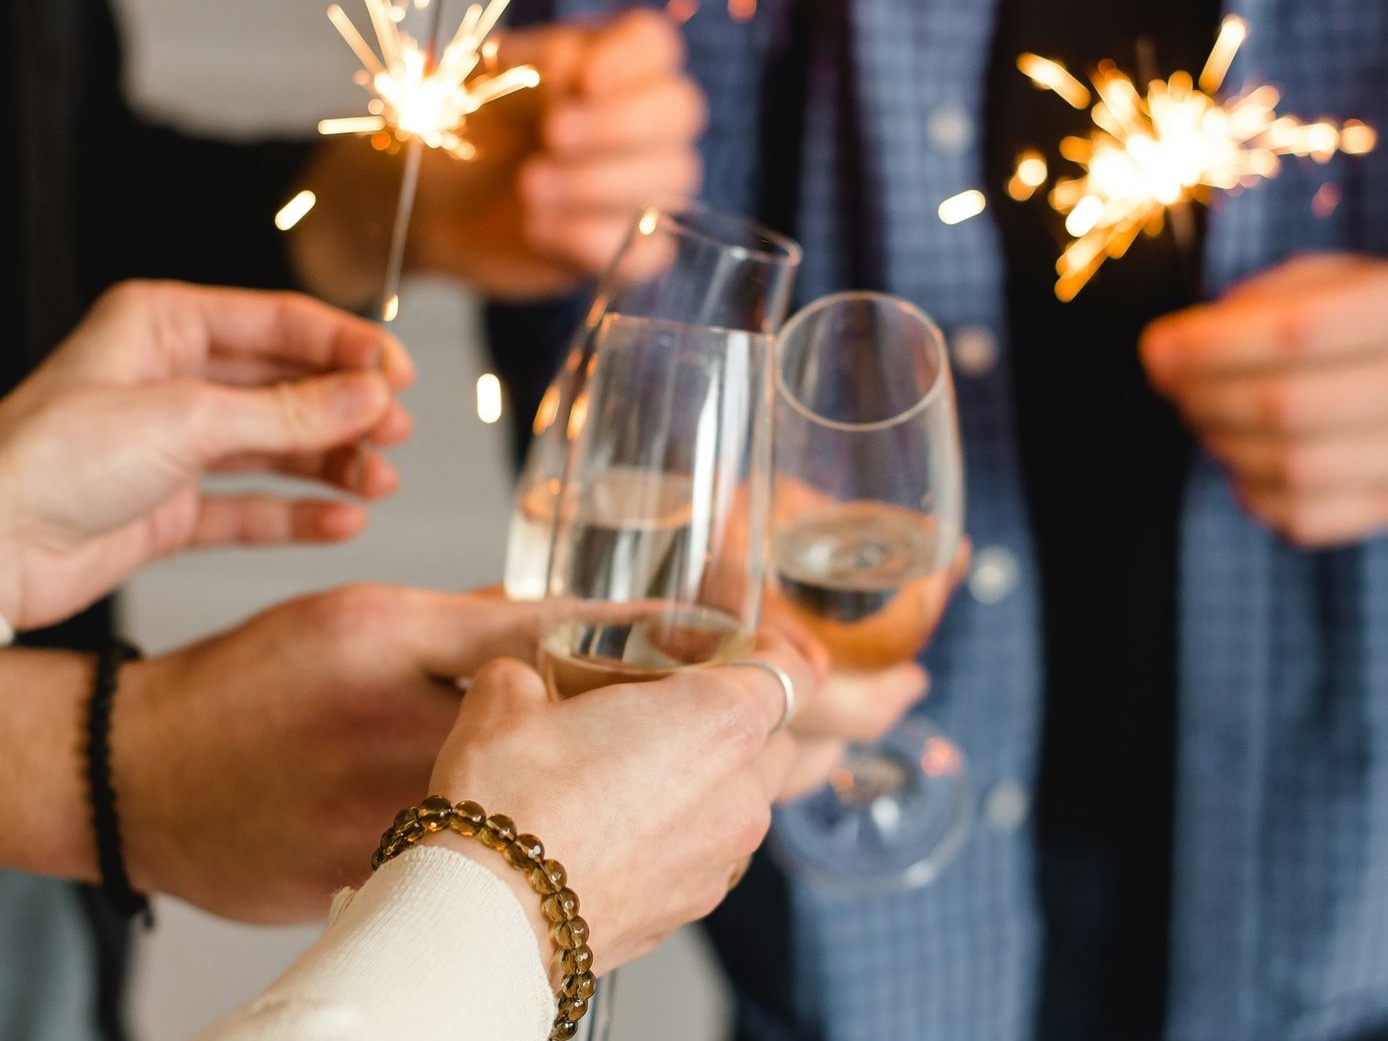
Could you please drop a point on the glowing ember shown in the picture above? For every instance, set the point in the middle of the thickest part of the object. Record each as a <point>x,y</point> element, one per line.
<point>489,406</point>
<point>293,211</point>
<point>959,208</point>
<point>1148,155</point>
<point>417,95</point>
<point>1031,173</point>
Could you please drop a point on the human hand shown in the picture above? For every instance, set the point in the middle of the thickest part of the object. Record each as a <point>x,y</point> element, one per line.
<point>560,171</point>
<point>650,794</point>
<point>863,696</point>
<point>256,769</point>
<point>102,447</point>
<point>1285,381</point>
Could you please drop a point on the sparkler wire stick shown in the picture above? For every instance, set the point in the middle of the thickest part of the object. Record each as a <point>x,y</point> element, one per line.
<point>409,184</point>
<point>422,95</point>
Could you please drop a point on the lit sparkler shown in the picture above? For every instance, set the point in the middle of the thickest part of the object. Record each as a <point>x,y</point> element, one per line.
<point>417,95</point>
<point>1149,155</point>
<point>423,95</point>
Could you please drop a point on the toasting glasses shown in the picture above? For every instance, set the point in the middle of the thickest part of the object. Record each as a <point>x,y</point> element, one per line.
<point>659,542</point>
<point>867,521</point>
<point>686,263</point>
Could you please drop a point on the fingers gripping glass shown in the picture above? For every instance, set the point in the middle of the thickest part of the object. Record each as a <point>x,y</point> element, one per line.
<point>867,524</point>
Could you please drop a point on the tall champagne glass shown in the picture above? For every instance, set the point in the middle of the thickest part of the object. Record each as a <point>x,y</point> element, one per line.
<point>866,524</point>
<point>659,549</point>
<point>683,262</point>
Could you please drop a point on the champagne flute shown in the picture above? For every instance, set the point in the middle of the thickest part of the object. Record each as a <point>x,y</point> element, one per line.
<point>658,556</point>
<point>684,262</point>
<point>867,523</point>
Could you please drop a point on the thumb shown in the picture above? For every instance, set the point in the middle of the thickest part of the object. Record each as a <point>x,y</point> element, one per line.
<point>499,695</point>
<point>504,686</point>
<point>305,415</point>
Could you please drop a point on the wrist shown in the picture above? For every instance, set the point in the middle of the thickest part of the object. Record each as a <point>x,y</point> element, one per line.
<point>45,825</point>
<point>101,787</point>
<point>525,854</point>
<point>151,853</point>
<point>11,582</point>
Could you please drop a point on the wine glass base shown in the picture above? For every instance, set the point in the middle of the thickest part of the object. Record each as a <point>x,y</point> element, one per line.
<point>890,818</point>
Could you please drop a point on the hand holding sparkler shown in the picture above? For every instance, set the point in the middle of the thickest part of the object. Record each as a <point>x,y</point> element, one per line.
<point>1285,381</point>
<point>557,171</point>
<point>614,124</point>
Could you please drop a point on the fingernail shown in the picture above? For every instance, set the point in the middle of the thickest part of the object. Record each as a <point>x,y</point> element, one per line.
<point>357,395</point>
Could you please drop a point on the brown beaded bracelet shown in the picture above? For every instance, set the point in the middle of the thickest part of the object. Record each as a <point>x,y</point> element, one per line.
<point>546,876</point>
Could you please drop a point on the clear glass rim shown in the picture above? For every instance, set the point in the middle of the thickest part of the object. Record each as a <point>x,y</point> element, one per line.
<point>815,307</point>
<point>684,213</point>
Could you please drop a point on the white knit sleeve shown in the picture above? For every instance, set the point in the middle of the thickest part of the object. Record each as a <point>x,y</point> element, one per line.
<point>433,946</point>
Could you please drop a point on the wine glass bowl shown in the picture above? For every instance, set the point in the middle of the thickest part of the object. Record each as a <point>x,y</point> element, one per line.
<point>867,530</point>
<point>659,542</point>
<point>683,262</point>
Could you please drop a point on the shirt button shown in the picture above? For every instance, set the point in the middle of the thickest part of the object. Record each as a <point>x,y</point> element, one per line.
<point>993,576</point>
<point>1006,806</point>
<point>950,129</point>
<point>974,349</point>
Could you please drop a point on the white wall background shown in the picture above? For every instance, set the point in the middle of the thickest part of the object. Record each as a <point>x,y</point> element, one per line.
<point>279,65</point>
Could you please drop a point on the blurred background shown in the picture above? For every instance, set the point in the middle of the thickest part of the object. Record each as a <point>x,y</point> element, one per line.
<point>278,66</point>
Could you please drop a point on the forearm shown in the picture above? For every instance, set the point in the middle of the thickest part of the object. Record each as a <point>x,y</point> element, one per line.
<point>44,817</point>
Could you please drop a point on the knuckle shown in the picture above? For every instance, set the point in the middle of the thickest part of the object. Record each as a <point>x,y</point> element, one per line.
<point>133,293</point>
<point>1295,332</point>
<point>1296,468</point>
<point>710,895</point>
<point>294,411</point>
<point>733,719</point>
<point>1300,524</point>
<point>350,610</point>
<point>755,824</point>
<point>502,672</point>
<point>1278,405</point>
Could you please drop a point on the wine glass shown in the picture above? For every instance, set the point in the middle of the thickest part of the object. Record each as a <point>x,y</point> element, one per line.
<point>683,262</point>
<point>659,549</point>
<point>867,523</point>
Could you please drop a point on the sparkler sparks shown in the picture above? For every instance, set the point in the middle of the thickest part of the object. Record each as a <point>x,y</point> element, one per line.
<point>423,95</point>
<point>1149,155</point>
<point>418,95</point>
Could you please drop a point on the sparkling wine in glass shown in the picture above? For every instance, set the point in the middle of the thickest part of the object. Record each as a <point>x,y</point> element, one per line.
<point>659,546</point>
<point>684,262</point>
<point>867,523</point>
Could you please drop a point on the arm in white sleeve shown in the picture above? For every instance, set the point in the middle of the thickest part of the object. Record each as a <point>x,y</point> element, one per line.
<point>432,946</point>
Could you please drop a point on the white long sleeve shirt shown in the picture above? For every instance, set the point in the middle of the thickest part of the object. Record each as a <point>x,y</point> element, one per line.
<point>433,946</point>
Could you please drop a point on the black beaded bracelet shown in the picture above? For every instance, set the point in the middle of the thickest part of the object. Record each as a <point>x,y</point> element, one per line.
<point>546,876</point>
<point>115,884</point>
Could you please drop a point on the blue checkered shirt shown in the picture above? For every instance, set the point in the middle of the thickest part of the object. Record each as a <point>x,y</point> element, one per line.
<point>1279,928</point>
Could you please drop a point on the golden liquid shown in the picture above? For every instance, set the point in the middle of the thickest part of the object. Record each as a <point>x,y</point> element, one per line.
<point>866,578</point>
<point>580,655</point>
